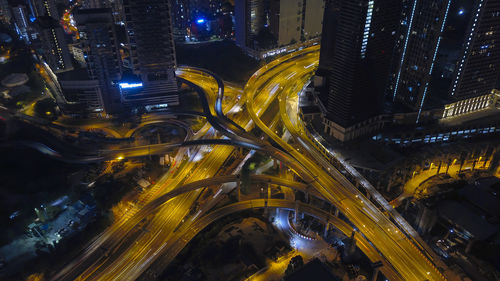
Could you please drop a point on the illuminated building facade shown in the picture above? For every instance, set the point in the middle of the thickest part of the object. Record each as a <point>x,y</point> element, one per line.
<point>45,8</point>
<point>19,13</point>
<point>149,29</point>
<point>100,48</point>
<point>53,44</point>
<point>478,68</point>
<point>421,28</point>
<point>356,54</point>
<point>472,105</point>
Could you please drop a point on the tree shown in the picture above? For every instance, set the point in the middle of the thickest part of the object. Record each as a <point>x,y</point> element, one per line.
<point>265,39</point>
<point>295,263</point>
<point>46,108</point>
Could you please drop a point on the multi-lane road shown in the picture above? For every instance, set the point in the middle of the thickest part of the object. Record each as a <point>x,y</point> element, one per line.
<point>370,222</point>
<point>125,251</point>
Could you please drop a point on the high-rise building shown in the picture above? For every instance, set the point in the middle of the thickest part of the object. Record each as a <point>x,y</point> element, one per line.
<point>115,5</point>
<point>83,96</point>
<point>266,24</point>
<point>421,28</point>
<point>21,22</point>
<point>54,47</point>
<point>181,18</point>
<point>293,21</point>
<point>100,47</point>
<point>5,14</point>
<point>250,19</point>
<point>45,8</point>
<point>152,49</point>
<point>478,67</point>
<point>355,56</point>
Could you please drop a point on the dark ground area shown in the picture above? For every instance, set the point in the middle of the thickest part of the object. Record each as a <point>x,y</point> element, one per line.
<point>223,58</point>
<point>28,179</point>
<point>199,258</point>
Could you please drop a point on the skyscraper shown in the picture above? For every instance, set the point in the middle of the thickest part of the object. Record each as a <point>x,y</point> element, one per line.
<point>152,51</point>
<point>101,51</point>
<point>478,68</point>
<point>422,25</point>
<point>266,24</point>
<point>46,8</point>
<point>20,16</point>
<point>293,21</point>
<point>355,55</point>
<point>5,14</point>
<point>53,44</point>
<point>181,18</point>
<point>250,19</point>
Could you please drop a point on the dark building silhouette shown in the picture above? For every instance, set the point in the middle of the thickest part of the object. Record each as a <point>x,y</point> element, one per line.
<point>152,49</point>
<point>422,24</point>
<point>99,43</point>
<point>478,68</point>
<point>357,45</point>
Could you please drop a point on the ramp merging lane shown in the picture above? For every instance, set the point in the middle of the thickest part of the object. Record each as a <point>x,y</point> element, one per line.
<point>158,226</point>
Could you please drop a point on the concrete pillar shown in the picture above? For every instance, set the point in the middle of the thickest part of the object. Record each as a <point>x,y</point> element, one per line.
<point>426,219</point>
<point>407,204</point>
<point>375,273</point>
<point>296,212</point>
<point>307,197</point>
<point>462,160</point>
<point>352,246</point>
<point>238,190</point>
<point>469,245</point>
<point>389,185</point>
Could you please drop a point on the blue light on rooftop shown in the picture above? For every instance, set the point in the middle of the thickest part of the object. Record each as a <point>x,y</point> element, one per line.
<point>200,20</point>
<point>130,85</point>
<point>461,12</point>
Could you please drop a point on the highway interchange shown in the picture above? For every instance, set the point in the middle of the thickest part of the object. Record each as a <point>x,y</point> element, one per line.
<point>160,224</point>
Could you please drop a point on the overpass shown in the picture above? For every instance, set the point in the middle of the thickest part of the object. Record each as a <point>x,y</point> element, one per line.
<point>187,232</point>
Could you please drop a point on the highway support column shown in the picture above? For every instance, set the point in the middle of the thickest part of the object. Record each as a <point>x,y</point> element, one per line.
<point>376,268</point>
<point>352,246</point>
<point>238,189</point>
<point>296,212</point>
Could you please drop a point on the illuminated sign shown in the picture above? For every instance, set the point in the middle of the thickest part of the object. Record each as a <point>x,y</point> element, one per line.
<point>129,86</point>
<point>200,21</point>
